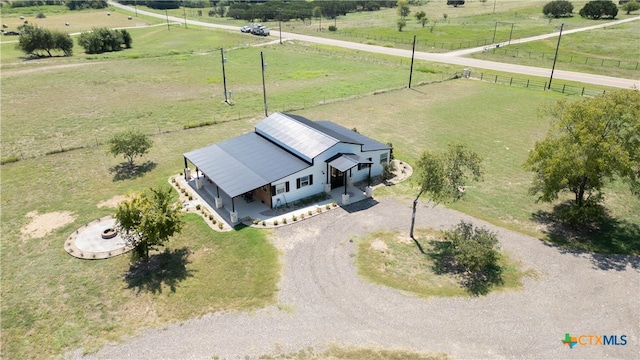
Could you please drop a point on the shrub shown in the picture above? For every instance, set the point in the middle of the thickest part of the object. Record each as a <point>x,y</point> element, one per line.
<point>284,220</point>
<point>387,170</point>
<point>295,218</point>
<point>318,210</point>
<point>302,216</point>
<point>264,223</point>
<point>310,212</point>
<point>198,207</point>
<point>190,197</point>
<point>333,28</point>
<point>256,221</point>
<point>327,206</point>
<point>101,40</point>
<point>220,226</point>
<point>211,218</point>
<point>471,252</point>
<point>275,222</point>
<point>557,9</point>
<point>41,15</point>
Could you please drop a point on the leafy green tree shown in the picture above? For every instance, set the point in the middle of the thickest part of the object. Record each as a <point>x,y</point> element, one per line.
<point>598,9</point>
<point>401,24</point>
<point>100,40</point>
<point>129,143</point>
<point>403,9</point>
<point>148,220</point>
<point>37,41</point>
<point>421,16</point>
<point>591,142</point>
<point>474,253</point>
<point>557,9</point>
<point>443,176</point>
<point>86,4</point>
<point>631,6</point>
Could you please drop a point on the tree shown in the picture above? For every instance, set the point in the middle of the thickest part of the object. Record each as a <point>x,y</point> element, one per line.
<point>591,142</point>
<point>100,40</point>
<point>148,220</point>
<point>37,41</point>
<point>631,6</point>
<point>403,9</point>
<point>86,4</point>
<point>401,24</point>
<point>130,144</point>
<point>557,9</point>
<point>473,252</point>
<point>443,176</point>
<point>421,16</point>
<point>597,9</point>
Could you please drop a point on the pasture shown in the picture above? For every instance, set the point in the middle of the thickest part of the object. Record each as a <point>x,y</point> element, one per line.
<point>68,107</point>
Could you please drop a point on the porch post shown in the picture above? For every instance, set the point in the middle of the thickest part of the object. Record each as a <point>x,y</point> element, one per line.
<point>233,215</point>
<point>218,198</point>
<point>369,177</point>
<point>186,169</point>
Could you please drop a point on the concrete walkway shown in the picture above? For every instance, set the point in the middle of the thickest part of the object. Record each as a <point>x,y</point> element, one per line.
<point>322,300</point>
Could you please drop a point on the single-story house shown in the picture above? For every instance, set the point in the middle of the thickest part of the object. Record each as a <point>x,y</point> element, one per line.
<point>286,158</point>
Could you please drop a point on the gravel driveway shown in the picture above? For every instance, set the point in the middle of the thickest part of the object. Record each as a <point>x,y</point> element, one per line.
<point>322,300</point>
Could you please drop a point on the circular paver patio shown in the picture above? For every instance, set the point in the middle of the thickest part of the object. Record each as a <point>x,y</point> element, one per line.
<point>87,241</point>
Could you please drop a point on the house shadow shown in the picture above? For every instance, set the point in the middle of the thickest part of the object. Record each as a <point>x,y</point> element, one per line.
<point>360,205</point>
<point>168,268</point>
<point>125,171</point>
<point>605,240</point>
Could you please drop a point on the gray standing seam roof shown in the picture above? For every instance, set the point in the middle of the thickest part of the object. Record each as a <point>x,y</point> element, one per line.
<point>295,135</point>
<point>368,144</point>
<point>245,163</point>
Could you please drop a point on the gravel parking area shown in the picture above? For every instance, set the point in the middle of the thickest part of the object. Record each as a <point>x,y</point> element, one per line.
<point>322,300</point>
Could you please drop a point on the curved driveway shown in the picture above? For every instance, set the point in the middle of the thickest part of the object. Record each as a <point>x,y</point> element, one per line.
<point>322,300</point>
<point>449,58</point>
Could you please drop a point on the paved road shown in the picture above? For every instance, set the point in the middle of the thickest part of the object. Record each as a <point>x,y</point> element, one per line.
<point>323,300</point>
<point>449,58</point>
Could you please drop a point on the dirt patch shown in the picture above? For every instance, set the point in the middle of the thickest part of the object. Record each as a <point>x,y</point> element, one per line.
<point>41,225</point>
<point>379,245</point>
<point>113,202</point>
<point>24,71</point>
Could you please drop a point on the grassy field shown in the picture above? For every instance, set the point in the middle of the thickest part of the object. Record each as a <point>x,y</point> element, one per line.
<point>402,266</point>
<point>53,302</point>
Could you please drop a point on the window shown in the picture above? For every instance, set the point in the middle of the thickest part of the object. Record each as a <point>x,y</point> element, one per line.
<point>304,181</point>
<point>364,166</point>
<point>282,188</point>
<point>384,158</point>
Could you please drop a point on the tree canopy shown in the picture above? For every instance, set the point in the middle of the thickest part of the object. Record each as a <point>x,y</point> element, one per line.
<point>148,220</point>
<point>558,8</point>
<point>37,41</point>
<point>591,142</point>
<point>443,176</point>
<point>130,143</point>
<point>598,9</point>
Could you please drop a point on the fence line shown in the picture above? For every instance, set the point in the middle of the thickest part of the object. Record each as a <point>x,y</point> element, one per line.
<point>628,65</point>
<point>536,85</point>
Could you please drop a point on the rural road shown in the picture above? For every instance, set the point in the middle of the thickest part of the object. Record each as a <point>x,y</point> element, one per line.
<point>322,300</point>
<point>449,58</point>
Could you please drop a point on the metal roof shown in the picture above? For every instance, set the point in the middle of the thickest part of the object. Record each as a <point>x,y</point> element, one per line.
<point>350,136</point>
<point>344,162</point>
<point>295,135</point>
<point>245,163</point>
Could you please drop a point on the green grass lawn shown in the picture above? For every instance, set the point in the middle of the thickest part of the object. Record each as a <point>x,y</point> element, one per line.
<point>393,260</point>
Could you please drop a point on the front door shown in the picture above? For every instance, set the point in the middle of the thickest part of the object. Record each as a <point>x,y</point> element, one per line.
<point>337,178</point>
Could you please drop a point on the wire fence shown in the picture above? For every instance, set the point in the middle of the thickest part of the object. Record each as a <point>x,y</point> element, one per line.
<point>420,43</point>
<point>602,62</point>
<point>534,84</point>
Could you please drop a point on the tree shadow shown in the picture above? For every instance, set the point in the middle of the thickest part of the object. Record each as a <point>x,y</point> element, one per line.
<point>167,268</point>
<point>610,243</point>
<point>125,171</point>
<point>476,283</point>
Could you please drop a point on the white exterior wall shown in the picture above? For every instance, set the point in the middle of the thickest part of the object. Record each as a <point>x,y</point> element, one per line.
<point>319,169</point>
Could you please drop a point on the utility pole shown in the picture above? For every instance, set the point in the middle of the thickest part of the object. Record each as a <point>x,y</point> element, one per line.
<point>264,89</point>
<point>166,13</point>
<point>224,76</point>
<point>413,52</point>
<point>555,57</point>
<point>184,13</point>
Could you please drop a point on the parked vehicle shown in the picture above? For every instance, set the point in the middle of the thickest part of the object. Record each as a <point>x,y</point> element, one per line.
<point>258,29</point>
<point>245,29</point>
<point>455,3</point>
<point>11,32</point>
